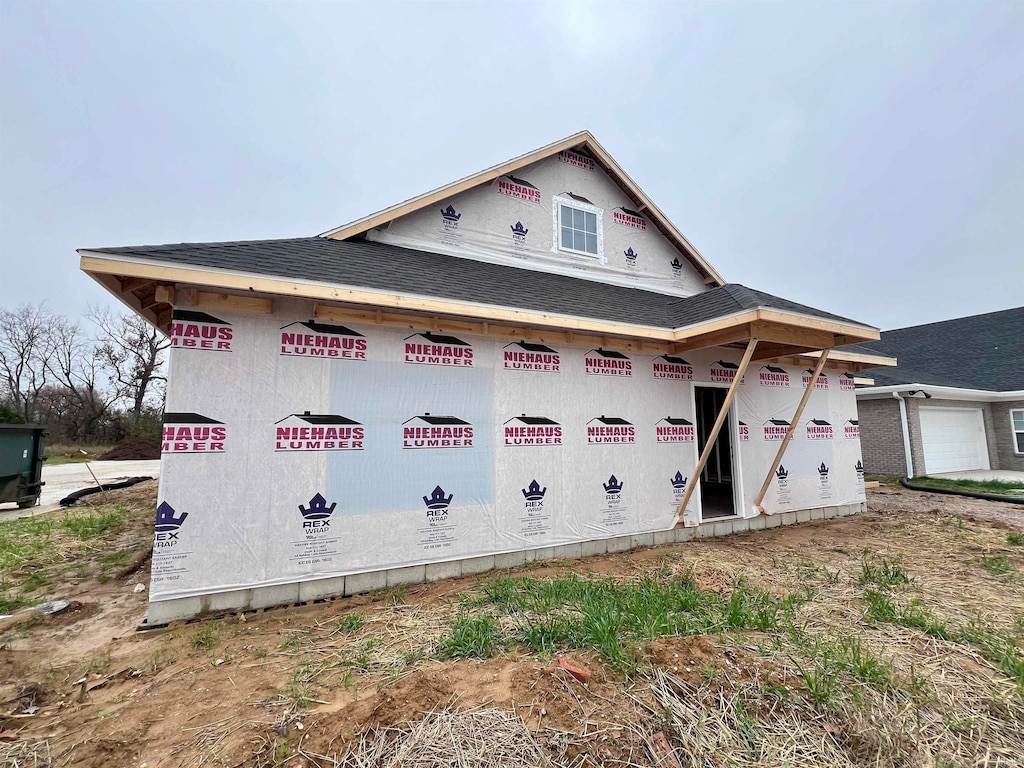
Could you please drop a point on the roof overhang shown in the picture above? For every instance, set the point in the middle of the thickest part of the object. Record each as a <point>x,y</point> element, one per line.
<point>151,288</point>
<point>578,141</point>
<point>929,391</point>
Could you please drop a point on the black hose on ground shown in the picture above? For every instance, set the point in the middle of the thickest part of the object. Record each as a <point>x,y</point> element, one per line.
<point>71,498</point>
<point>950,492</point>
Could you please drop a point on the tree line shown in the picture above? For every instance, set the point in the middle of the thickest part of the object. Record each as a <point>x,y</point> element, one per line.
<point>99,380</point>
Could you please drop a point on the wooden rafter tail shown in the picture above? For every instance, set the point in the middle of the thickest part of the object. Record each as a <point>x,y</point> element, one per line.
<point>792,429</point>
<point>723,415</point>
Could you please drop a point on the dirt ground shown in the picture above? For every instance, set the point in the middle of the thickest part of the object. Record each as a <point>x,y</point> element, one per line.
<point>301,686</point>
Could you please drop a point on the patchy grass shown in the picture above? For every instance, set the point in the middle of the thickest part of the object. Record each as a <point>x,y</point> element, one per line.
<point>206,637</point>
<point>997,487</point>
<point>1015,539</point>
<point>879,570</point>
<point>997,564</point>
<point>72,454</point>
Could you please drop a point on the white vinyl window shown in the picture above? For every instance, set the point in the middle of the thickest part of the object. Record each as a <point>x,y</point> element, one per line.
<point>1017,422</point>
<point>577,227</point>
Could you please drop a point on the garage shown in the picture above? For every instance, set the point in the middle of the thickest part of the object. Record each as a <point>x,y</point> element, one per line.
<point>953,439</point>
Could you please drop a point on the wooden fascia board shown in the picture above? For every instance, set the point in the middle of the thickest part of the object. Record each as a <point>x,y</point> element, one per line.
<point>581,139</point>
<point>866,361</point>
<point>96,265</point>
<point>442,193</point>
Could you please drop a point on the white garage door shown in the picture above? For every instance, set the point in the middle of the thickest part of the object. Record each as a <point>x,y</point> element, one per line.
<point>954,439</point>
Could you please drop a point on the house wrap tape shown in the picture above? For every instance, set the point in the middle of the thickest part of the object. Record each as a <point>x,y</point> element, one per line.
<point>295,449</point>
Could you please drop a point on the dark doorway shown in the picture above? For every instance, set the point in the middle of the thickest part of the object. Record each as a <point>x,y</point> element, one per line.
<point>716,481</point>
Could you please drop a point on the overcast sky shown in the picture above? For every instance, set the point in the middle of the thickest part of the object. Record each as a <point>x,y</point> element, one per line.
<point>864,158</point>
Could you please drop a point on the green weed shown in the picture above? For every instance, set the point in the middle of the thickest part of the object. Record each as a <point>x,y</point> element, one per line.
<point>99,524</point>
<point>1015,539</point>
<point>882,572</point>
<point>998,564</point>
<point>471,637</point>
<point>205,637</point>
<point>349,623</point>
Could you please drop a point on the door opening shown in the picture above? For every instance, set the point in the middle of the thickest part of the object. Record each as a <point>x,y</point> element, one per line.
<point>716,481</point>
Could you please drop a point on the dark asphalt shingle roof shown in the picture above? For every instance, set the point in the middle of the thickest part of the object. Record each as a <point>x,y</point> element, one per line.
<point>978,352</point>
<point>372,265</point>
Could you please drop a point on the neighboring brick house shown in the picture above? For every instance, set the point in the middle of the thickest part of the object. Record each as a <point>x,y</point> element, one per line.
<point>955,401</point>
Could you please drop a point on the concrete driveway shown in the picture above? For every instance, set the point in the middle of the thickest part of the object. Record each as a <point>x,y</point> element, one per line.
<point>62,479</point>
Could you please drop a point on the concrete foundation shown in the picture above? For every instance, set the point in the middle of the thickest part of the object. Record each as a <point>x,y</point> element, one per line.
<point>166,611</point>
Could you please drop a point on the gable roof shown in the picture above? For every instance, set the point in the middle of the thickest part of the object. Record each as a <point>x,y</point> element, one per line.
<point>983,352</point>
<point>582,142</point>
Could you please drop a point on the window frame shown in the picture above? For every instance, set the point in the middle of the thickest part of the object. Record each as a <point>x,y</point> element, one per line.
<point>1014,431</point>
<point>557,202</point>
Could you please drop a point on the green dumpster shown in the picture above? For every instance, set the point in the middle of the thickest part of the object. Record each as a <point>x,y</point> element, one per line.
<point>21,463</point>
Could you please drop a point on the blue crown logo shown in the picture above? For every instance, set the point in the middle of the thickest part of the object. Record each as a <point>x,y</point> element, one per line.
<point>534,492</point>
<point>630,256</point>
<point>437,499</point>
<point>676,265</point>
<point>823,471</point>
<point>449,214</point>
<point>613,485</point>
<point>318,509</point>
<point>519,229</point>
<point>679,482</point>
<point>166,520</point>
<point>859,467</point>
<point>782,473</point>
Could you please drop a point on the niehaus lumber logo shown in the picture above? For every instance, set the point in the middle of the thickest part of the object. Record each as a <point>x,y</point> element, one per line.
<point>819,429</point>
<point>851,429</point>
<point>428,431</point>
<point>821,383</point>
<point>772,376</point>
<point>846,383</point>
<point>628,218</point>
<point>437,349</point>
<point>744,431</point>
<point>606,362</point>
<point>527,356</point>
<point>313,339</point>
<point>723,371</point>
<point>603,430</point>
<point>318,432</point>
<point>198,330</point>
<point>532,430</point>
<point>674,430</point>
<point>775,429</point>
<point>192,433</point>
<point>672,367</point>
<point>520,189</point>
<point>576,159</point>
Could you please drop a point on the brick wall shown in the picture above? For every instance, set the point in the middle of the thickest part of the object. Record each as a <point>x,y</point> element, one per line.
<point>1003,434</point>
<point>881,437</point>
<point>914,425</point>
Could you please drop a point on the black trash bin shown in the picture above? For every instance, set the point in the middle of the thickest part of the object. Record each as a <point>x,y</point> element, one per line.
<point>21,463</point>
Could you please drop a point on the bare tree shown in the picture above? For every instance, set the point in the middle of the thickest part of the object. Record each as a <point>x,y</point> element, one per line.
<point>26,343</point>
<point>131,352</point>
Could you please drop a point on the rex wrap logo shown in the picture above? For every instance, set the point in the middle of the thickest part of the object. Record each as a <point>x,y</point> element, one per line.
<point>627,218</point>
<point>630,255</point>
<point>198,330</point>
<point>773,376</point>
<point>316,518</point>
<point>674,429</point>
<point>607,362</point>
<point>528,356</point>
<point>775,429</point>
<point>450,218</point>
<point>437,349</point>
<point>192,433</point>
<point>318,432</point>
<point>610,430</point>
<point>313,339</point>
<point>821,383</point>
<point>823,473</point>
<point>437,504</point>
<point>519,233</point>
<point>678,482</point>
<point>428,431</point>
<point>851,429</point>
<point>613,488</point>
<point>782,477</point>
<point>677,268</point>
<point>672,367</point>
<point>520,189</point>
<point>819,429</point>
<point>532,430</point>
<point>167,526</point>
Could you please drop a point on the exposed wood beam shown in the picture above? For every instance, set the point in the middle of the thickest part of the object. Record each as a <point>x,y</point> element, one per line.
<point>723,416</point>
<point>229,303</point>
<point>715,339</point>
<point>129,284</point>
<point>767,352</point>
<point>792,429</point>
<point>803,337</point>
<point>164,294</point>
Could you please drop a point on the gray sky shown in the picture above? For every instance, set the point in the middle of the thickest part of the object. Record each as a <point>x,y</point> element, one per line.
<point>865,158</point>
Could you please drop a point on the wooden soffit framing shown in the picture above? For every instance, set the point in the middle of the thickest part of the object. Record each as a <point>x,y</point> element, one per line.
<point>152,289</point>
<point>578,141</point>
